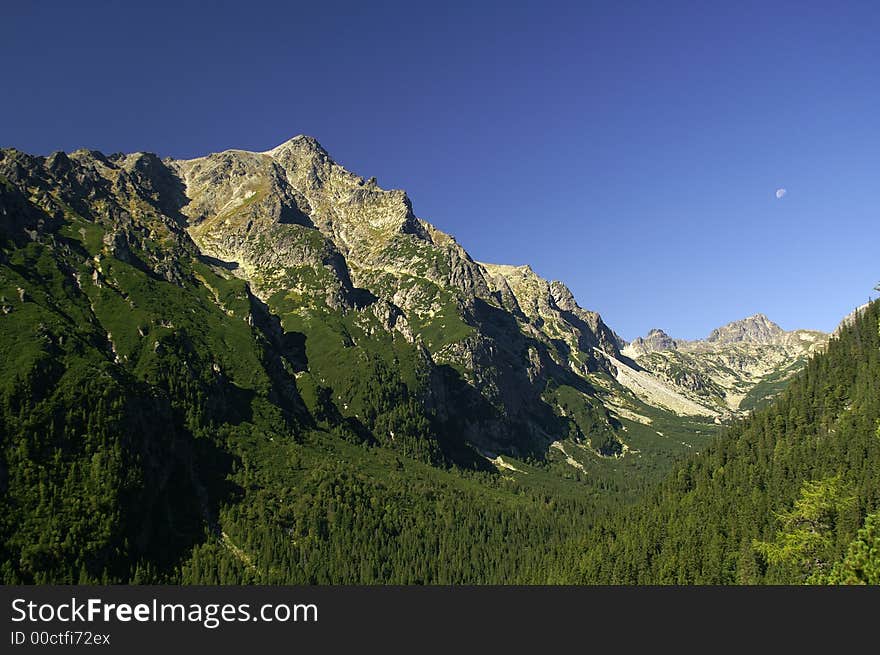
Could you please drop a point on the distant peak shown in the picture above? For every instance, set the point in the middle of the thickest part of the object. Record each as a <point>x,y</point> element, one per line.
<point>756,328</point>
<point>655,340</point>
<point>756,318</point>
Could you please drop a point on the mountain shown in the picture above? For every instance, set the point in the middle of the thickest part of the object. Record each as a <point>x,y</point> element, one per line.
<point>655,340</point>
<point>262,357</point>
<point>313,240</point>
<point>754,329</point>
<point>737,367</point>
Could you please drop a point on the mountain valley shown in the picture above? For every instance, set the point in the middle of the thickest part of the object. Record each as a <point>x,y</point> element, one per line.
<point>243,366</point>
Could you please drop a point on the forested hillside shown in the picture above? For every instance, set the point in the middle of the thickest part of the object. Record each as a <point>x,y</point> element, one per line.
<point>789,495</point>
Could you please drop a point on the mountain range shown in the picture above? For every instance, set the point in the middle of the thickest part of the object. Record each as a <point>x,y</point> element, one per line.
<point>164,320</point>
<point>736,368</point>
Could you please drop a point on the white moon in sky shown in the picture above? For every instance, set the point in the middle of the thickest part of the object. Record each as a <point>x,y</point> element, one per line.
<point>780,193</point>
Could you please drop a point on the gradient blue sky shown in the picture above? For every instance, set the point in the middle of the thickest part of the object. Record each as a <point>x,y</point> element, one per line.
<point>629,149</point>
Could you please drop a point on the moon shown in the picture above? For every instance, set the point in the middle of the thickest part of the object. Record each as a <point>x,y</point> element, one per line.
<point>780,193</point>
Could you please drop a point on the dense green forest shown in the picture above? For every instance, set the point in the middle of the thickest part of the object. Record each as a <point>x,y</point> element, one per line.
<point>789,495</point>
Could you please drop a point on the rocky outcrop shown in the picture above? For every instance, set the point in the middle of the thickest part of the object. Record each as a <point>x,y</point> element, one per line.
<point>549,311</point>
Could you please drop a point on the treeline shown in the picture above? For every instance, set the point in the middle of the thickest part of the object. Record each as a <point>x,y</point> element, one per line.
<point>779,498</point>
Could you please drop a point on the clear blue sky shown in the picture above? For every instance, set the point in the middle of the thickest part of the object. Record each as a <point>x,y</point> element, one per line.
<point>632,150</point>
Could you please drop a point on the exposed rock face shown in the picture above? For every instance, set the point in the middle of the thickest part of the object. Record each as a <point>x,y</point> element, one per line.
<point>134,197</point>
<point>655,340</point>
<point>723,371</point>
<point>285,213</point>
<point>548,310</point>
<point>357,231</point>
<point>754,329</point>
<point>242,210</point>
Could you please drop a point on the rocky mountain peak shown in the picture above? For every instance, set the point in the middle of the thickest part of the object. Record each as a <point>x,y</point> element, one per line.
<point>58,162</point>
<point>301,144</point>
<point>654,341</point>
<point>754,329</point>
<point>352,210</point>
